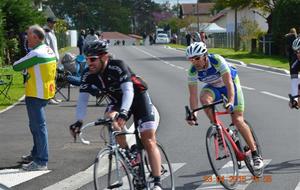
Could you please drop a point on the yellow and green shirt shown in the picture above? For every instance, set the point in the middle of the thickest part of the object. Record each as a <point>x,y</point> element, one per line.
<point>40,64</point>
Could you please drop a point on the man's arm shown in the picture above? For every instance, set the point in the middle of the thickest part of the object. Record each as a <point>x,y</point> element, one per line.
<point>229,86</point>
<point>82,106</point>
<point>193,96</point>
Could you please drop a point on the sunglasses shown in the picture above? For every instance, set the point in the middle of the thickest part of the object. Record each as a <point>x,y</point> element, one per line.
<point>195,58</point>
<point>92,58</point>
<point>297,52</point>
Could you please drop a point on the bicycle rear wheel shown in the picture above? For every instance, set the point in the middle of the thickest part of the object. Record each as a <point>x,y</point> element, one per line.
<point>243,146</point>
<point>111,172</point>
<point>223,161</point>
<point>167,177</point>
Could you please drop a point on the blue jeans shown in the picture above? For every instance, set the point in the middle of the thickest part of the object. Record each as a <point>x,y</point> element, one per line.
<point>37,124</point>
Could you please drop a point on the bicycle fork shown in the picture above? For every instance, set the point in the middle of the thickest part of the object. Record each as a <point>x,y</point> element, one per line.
<point>219,140</point>
<point>119,183</point>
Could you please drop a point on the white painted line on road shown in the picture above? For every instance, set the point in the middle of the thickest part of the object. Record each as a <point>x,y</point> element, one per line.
<point>275,95</point>
<point>244,173</point>
<point>12,177</point>
<point>248,88</point>
<point>9,107</point>
<point>167,63</point>
<point>298,186</point>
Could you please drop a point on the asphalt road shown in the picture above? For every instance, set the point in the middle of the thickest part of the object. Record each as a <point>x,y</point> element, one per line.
<point>165,71</point>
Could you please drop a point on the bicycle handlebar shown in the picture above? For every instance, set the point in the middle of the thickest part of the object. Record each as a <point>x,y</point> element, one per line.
<point>91,124</point>
<point>293,102</point>
<point>105,122</point>
<point>189,112</point>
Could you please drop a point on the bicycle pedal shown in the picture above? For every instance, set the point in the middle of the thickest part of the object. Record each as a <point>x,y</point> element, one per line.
<point>113,186</point>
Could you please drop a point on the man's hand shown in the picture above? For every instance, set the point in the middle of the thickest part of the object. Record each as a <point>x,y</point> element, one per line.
<point>75,129</point>
<point>191,120</point>
<point>229,107</point>
<point>122,117</point>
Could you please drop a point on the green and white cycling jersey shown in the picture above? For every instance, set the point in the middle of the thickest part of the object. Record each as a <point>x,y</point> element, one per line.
<point>217,66</point>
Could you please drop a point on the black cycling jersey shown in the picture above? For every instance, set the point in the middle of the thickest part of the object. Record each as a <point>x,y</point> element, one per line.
<point>295,67</point>
<point>109,82</point>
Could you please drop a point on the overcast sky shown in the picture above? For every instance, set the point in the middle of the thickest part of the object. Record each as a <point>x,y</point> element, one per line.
<point>175,1</point>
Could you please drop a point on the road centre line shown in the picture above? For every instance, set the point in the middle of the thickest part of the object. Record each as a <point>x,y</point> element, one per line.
<point>275,95</point>
<point>244,87</point>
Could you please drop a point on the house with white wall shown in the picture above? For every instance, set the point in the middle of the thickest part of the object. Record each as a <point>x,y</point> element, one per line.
<point>225,18</point>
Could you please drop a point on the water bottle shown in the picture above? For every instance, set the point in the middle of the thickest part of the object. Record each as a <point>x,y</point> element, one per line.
<point>233,132</point>
<point>135,156</point>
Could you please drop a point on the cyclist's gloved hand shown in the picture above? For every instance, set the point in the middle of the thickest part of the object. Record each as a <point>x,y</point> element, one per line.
<point>75,129</point>
<point>293,104</point>
<point>191,119</point>
<point>122,117</point>
<point>229,107</point>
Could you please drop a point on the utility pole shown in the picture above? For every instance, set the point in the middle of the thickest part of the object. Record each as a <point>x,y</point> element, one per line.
<point>198,27</point>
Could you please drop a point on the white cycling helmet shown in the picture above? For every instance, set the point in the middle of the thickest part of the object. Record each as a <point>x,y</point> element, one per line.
<point>296,44</point>
<point>196,49</point>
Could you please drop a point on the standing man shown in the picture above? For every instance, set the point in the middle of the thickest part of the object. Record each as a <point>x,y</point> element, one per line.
<point>51,41</point>
<point>40,64</point>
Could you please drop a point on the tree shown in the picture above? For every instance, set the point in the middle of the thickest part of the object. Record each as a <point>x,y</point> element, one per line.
<point>248,30</point>
<point>285,15</point>
<point>17,16</point>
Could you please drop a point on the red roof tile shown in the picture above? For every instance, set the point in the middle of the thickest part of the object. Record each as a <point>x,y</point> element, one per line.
<point>114,35</point>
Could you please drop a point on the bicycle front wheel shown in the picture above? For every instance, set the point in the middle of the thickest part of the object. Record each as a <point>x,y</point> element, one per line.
<point>221,158</point>
<point>167,177</point>
<point>111,172</point>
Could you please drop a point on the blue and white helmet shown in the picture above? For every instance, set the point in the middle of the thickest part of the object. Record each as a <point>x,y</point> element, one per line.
<point>196,49</point>
<point>296,44</point>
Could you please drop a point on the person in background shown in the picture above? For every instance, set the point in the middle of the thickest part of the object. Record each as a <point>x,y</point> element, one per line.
<point>289,39</point>
<point>188,39</point>
<point>90,37</point>
<point>294,71</point>
<point>51,41</point>
<point>203,37</point>
<point>40,64</point>
<point>80,41</point>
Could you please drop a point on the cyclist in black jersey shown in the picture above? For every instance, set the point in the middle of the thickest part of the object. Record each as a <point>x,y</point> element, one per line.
<point>294,70</point>
<point>128,95</point>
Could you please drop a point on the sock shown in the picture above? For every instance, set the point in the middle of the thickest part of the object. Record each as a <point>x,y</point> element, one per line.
<point>156,180</point>
<point>254,153</point>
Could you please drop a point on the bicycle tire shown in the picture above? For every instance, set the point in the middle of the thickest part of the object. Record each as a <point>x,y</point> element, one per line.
<point>230,178</point>
<point>105,168</point>
<point>167,177</point>
<point>242,145</point>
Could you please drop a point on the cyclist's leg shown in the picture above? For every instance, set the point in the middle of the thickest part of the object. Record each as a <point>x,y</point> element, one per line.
<point>209,94</point>
<point>239,121</point>
<point>111,112</point>
<point>144,116</point>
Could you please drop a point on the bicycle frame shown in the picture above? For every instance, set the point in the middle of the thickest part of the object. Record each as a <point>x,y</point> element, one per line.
<point>222,129</point>
<point>114,148</point>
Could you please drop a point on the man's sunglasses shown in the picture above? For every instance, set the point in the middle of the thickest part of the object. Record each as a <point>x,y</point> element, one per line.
<point>297,52</point>
<point>92,58</point>
<point>195,58</point>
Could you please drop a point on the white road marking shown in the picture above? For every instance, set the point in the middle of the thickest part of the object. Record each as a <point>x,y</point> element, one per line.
<point>298,186</point>
<point>244,172</point>
<point>82,178</point>
<point>12,177</point>
<point>275,95</point>
<point>248,88</point>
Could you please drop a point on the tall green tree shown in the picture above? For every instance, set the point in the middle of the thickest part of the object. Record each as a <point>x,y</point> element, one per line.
<point>17,15</point>
<point>286,15</point>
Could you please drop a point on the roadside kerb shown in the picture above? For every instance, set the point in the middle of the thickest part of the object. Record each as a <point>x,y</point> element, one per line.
<point>253,65</point>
